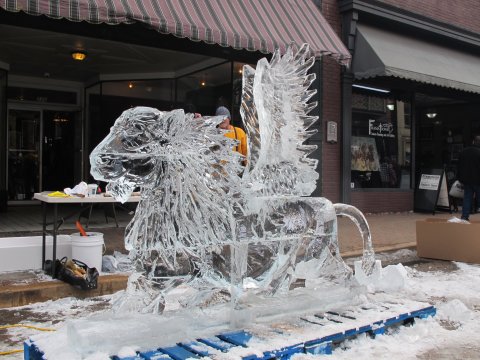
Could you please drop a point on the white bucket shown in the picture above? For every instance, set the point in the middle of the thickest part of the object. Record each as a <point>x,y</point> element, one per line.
<point>88,249</point>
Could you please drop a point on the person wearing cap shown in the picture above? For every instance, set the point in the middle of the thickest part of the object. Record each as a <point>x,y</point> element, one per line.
<point>234,133</point>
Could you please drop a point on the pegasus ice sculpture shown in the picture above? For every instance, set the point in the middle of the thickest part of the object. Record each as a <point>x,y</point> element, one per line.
<point>199,223</point>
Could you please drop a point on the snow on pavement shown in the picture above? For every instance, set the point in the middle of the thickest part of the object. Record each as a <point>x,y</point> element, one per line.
<point>454,333</point>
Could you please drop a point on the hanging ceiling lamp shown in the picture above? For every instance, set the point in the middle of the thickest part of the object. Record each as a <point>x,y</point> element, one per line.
<point>79,55</point>
<point>390,105</point>
<point>431,113</point>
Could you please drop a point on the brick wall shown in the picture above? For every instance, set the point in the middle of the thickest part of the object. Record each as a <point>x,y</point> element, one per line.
<point>331,153</point>
<point>461,13</point>
<point>380,202</point>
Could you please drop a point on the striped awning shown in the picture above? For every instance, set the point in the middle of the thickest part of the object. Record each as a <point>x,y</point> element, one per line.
<point>262,25</point>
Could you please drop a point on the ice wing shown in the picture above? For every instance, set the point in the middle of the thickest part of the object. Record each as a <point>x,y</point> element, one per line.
<point>275,108</point>
<point>248,112</point>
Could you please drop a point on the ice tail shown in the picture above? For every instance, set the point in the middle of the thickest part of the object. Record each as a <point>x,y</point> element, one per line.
<point>368,259</point>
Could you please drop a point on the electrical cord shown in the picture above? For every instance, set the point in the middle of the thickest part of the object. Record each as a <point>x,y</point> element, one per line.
<point>9,352</point>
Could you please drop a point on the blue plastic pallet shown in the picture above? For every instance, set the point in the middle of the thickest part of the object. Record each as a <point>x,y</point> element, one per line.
<point>31,352</point>
<point>207,347</point>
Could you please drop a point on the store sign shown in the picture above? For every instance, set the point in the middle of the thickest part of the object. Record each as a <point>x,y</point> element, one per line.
<point>429,182</point>
<point>380,129</point>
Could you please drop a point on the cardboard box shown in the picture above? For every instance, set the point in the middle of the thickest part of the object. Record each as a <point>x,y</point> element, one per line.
<point>439,239</point>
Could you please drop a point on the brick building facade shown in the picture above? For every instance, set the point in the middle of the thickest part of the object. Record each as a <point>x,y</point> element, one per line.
<point>451,29</point>
<point>447,26</point>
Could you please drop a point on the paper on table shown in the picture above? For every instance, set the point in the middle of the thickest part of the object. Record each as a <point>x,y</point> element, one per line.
<point>58,194</point>
<point>80,189</point>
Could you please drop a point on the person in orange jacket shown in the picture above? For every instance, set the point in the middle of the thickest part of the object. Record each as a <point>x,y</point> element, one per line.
<point>234,133</point>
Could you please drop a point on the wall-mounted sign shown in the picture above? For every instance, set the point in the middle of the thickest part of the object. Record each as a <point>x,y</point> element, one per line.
<point>376,128</point>
<point>331,132</point>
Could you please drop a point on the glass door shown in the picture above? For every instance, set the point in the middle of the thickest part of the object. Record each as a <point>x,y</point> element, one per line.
<point>58,150</point>
<point>3,141</point>
<point>23,153</point>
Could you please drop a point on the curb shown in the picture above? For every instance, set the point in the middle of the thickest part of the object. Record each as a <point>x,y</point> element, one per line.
<point>379,249</point>
<point>20,295</point>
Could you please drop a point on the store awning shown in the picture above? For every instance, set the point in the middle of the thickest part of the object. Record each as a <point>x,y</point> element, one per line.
<point>383,53</point>
<point>262,25</point>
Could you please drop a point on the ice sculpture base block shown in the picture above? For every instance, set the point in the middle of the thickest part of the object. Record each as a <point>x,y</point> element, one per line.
<point>315,333</point>
<point>109,332</point>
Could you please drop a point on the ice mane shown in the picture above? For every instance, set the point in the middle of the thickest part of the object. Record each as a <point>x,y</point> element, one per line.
<point>187,173</point>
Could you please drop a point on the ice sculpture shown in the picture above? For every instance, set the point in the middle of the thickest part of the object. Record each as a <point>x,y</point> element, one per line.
<point>206,223</point>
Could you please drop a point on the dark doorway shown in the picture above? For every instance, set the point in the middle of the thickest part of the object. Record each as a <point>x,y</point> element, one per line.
<point>58,149</point>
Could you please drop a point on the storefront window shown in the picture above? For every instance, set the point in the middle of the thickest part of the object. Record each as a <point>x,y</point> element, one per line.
<point>200,91</point>
<point>237,87</point>
<point>42,95</point>
<point>3,140</point>
<point>91,132</point>
<point>117,96</point>
<point>204,90</point>
<point>381,142</point>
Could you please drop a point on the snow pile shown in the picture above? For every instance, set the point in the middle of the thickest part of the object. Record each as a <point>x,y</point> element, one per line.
<point>453,288</point>
<point>454,311</point>
<point>388,279</point>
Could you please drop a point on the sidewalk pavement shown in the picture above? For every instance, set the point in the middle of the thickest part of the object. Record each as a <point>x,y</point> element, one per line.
<point>391,231</point>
